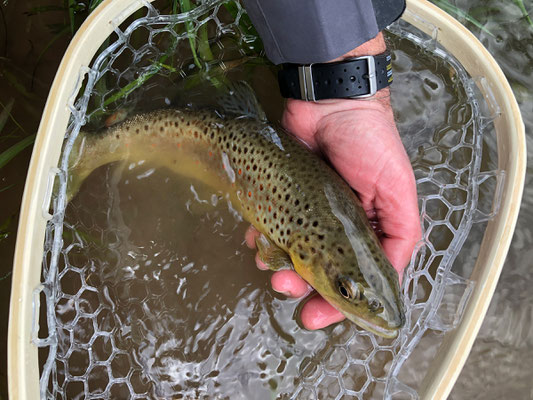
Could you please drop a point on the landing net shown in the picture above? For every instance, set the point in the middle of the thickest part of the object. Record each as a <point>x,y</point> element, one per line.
<point>79,353</point>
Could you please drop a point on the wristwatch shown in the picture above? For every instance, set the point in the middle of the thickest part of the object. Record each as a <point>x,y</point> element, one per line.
<point>351,78</point>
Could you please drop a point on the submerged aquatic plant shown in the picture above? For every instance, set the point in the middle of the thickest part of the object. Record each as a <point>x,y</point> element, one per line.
<point>10,153</point>
<point>525,13</point>
<point>457,12</point>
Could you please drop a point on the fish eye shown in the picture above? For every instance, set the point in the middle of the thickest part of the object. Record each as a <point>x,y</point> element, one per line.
<point>374,304</point>
<point>347,289</point>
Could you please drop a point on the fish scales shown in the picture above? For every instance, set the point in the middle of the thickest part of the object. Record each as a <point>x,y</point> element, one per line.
<point>288,193</point>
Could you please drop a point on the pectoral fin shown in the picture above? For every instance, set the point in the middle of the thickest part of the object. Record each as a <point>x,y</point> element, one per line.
<point>274,257</point>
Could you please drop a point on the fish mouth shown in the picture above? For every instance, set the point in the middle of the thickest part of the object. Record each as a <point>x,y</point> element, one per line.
<point>386,332</point>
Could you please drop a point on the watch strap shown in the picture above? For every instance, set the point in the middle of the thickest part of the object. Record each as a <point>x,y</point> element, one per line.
<point>351,78</point>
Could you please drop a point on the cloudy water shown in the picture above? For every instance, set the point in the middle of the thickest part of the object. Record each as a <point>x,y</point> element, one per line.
<point>157,283</point>
<point>163,273</point>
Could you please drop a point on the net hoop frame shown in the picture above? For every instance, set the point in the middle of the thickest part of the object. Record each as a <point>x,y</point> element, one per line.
<point>23,371</point>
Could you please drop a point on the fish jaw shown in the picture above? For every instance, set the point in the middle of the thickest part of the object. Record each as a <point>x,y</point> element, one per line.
<point>385,324</point>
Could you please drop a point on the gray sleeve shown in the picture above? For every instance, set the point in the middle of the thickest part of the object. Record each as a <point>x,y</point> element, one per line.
<point>311,31</point>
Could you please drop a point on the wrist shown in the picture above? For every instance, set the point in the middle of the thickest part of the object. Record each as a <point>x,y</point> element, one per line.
<point>372,47</point>
<point>361,73</point>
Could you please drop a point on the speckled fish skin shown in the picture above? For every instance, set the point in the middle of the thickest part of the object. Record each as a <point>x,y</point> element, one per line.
<point>288,193</point>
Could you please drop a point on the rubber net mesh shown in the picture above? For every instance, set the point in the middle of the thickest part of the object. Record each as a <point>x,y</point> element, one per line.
<point>82,353</point>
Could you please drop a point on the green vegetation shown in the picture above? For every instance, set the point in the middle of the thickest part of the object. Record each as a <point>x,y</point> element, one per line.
<point>457,12</point>
<point>520,4</point>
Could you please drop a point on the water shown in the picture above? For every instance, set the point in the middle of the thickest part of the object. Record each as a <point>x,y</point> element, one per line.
<point>150,286</point>
<point>501,360</point>
<point>195,319</point>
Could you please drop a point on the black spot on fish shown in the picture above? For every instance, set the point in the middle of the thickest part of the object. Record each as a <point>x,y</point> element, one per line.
<point>299,221</point>
<point>315,223</point>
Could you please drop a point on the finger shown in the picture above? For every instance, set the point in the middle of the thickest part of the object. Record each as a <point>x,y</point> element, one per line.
<point>250,236</point>
<point>399,198</point>
<point>317,313</point>
<point>260,263</point>
<point>290,284</point>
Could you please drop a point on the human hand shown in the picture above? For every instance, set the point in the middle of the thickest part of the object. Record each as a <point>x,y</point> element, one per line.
<point>360,140</point>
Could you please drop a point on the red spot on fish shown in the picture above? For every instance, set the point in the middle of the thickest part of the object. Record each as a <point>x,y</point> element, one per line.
<point>259,206</point>
<point>269,208</point>
<point>179,144</point>
<point>249,194</point>
<point>210,154</point>
<point>153,144</point>
<point>240,171</point>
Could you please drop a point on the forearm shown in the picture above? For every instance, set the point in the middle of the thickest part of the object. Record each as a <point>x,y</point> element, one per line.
<point>371,47</point>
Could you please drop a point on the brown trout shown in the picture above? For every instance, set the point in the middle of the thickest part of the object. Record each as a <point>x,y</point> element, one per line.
<point>308,216</point>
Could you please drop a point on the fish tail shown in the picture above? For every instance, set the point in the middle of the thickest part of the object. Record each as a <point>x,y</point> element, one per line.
<point>84,159</point>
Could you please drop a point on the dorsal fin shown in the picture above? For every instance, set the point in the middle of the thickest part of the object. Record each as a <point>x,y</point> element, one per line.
<point>239,99</point>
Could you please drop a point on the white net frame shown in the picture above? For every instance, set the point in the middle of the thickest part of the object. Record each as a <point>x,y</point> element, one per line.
<point>358,364</point>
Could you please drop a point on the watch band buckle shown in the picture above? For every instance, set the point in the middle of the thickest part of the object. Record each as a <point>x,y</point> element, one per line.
<point>305,76</point>
<point>307,88</point>
<point>372,79</point>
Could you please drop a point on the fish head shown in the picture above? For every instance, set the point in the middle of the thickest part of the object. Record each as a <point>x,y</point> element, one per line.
<point>366,290</point>
<point>376,308</point>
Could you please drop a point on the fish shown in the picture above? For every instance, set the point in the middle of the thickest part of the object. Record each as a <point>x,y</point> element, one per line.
<point>308,216</point>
